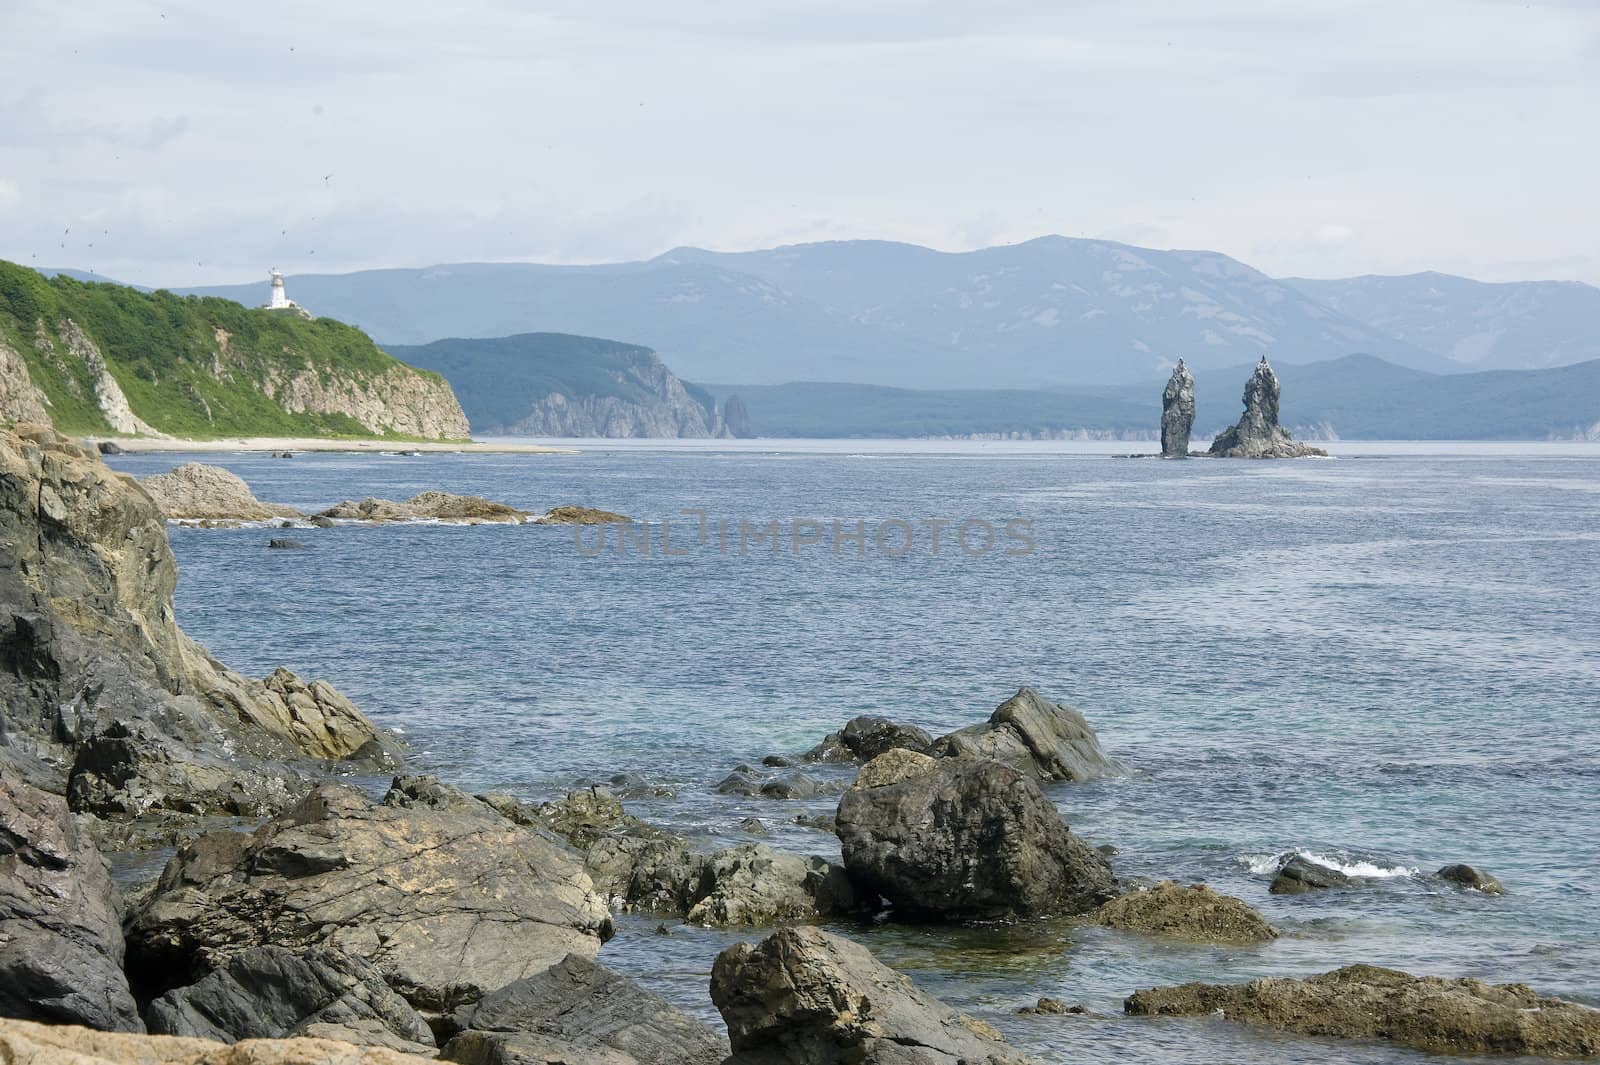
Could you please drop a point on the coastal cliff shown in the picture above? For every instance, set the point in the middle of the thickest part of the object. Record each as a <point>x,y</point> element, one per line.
<point>103,359</point>
<point>552,384</point>
<point>105,699</point>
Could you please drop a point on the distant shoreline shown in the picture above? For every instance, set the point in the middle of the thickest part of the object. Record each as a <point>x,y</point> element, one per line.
<point>137,444</point>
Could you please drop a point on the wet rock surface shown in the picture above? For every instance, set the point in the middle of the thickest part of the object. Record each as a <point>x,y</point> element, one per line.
<point>1366,1002</point>
<point>804,996</point>
<point>1257,435</point>
<point>269,992</point>
<point>580,1012</point>
<point>1300,874</point>
<point>968,839</point>
<point>864,738</point>
<point>61,945</point>
<point>1468,877</point>
<point>446,904</point>
<point>1050,741</point>
<point>1194,913</point>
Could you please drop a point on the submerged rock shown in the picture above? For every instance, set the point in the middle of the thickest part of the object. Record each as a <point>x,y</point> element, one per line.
<point>25,1043</point>
<point>1050,741</point>
<point>392,886</point>
<point>1258,434</point>
<point>283,543</point>
<point>60,933</point>
<point>269,992</point>
<point>1468,877</point>
<point>575,515</point>
<point>1177,413</point>
<point>802,995</point>
<point>1365,1002</point>
<point>197,491</point>
<point>1195,913</point>
<point>1300,874</point>
<point>967,839</point>
<point>578,1013</point>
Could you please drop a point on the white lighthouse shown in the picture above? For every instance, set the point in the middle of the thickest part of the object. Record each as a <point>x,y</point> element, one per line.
<point>278,301</point>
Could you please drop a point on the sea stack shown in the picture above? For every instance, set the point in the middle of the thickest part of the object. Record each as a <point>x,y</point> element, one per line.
<point>1258,434</point>
<point>1177,413</point>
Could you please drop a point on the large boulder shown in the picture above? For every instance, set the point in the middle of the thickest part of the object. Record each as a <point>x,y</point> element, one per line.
<point>1050,741</point>
<point>579,1013</point>
<point>1194,913</point>
<point>804,997</point>
<point>967,839</point>
<point>1299,875</point>
<point>1258,434</point>
<point>26,1043</point>
<point>1365,1002</point>
<point>60,930</point>
<point>196,491</point>
<point>96,678</point>
<point>270,992</point>
<point>1468,877</point>
<point>446,904</point>
<point>1177,413</point>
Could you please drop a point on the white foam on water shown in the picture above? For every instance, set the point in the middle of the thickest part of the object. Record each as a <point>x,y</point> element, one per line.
<point>1263,864</point>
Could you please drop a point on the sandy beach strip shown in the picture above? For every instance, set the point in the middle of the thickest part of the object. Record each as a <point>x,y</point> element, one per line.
<point>312,443</point>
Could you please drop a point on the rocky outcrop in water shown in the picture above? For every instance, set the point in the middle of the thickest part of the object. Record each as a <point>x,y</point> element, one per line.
<point>1050,741</point>
<point>97,682</point>
<point>576,515</point>
<point>1177,413</point>
<point>864,738</point>
<point>1258,434</point>
<point>965,839</point>
<point>1195,913</point>
<point>804,996</point>
<point>271,993</point>
<point>448,905</point>
<point>196,491</point>
<point>1300,874</point>
<point>427,506</point>
<point>736,417</point>
<point>60,933</point>
<point>579,1013</point>
<point>1365,1002</point>
<point>1468,877</point>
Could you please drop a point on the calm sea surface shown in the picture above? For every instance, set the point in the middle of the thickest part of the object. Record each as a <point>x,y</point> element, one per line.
<point>1390,659</point>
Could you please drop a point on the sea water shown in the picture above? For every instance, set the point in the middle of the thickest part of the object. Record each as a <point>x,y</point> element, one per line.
<point>1388,660</point>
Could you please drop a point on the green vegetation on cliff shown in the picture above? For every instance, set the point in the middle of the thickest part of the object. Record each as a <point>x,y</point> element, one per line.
<point>207,367</point>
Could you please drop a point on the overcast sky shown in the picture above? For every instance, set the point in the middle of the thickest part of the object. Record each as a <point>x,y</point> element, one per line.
<point>187,142</point>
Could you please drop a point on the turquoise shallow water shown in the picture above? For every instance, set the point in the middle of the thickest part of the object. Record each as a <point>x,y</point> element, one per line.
<point>1389,658</point>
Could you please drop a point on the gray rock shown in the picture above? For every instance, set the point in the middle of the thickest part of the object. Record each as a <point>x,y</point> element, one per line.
<point>1050,741</point>
<point>322,522</point>
<point>111,447</point>
<point>752,884</point>
<point>61,943</point>
<point>269,992</point>
<point>1430,1013</point>
<point>283,543</point>
<point>1300,874</point>
<point>1468,877</point>
<point>790,786</point>
<point>385,884</point>
<point>736,417</point>
<point>420,791</point>
<point>1177,413</point>
<point>804,997</point>
<point>1194,912</point>
<point>967,839</point>
<point>864,738</point>
<point>580,1013</point>
<point>1258,434</point>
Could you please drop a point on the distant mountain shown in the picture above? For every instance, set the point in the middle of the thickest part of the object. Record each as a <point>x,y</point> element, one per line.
<point>102,359</point>
<point>1357,397</point>
<point>552,384</point>
<point>1042,313</point>
<point>1519,325</point>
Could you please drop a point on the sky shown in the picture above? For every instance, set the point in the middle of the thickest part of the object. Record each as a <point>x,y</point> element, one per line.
<point>181,142</point>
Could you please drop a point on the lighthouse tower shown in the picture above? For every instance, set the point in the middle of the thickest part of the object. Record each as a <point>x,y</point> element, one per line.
<point>279,301</point>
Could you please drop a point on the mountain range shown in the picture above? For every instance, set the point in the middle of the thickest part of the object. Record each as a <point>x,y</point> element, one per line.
<point>1044,313</point>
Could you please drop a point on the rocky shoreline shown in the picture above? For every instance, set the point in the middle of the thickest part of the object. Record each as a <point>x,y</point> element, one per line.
<point>322,924</point>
